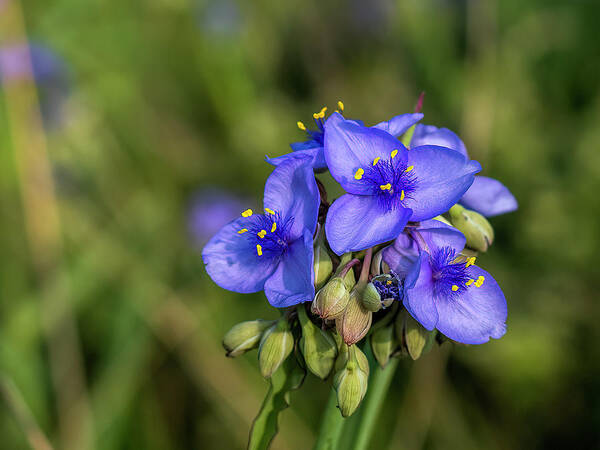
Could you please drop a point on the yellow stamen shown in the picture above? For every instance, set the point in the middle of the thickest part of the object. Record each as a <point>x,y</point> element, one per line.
<point>402,195</point>
<point>259,249</point>
<point>340,105</point>
<point>409,168</point>
<point>385,187</point>
<point>247,213</point>
<point>243,230</point>
<point>261,234</point>
<point>274,227</point>
<point>301,126</point>
<point>454,288</point>
<point>376,160</point>
<point>270,211</point>
<point>359,173</point>
<point>470,261</point>
<point>389,282</point>
<point>320,114</point>
<point>470,282</point>
<point>479,281</point>
<point>394,153</point>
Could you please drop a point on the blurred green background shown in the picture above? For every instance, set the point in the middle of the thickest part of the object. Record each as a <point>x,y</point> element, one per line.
<point>109,327</point>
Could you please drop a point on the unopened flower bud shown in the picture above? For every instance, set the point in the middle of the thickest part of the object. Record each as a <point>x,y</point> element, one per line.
<point>351,382</point>
<point>331,300</point>
<point>323,267</point>
<point>474,226</point>
<point>275,346</point>
<point>355,322</point>
<point>370,298</point>
<point>244,336</point>
<point>383,343</point>
<point>318,346</point>
<point>416,340</point>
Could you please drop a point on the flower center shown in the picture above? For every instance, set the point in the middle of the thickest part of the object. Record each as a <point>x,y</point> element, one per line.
<point>388,286</point>
<point>268,234</point>
<point>451,278</point>
<point>391,180</point>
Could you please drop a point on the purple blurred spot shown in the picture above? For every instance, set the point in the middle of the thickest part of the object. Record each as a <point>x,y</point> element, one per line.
<point>209,210</point>
<point>19,62</point>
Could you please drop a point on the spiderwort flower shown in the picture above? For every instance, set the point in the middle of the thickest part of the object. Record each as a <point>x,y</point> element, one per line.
<point>386,184</point>
<point>446,291</point>
<point>486,195</point>
<point>313,147</point>
<point>271,251</point>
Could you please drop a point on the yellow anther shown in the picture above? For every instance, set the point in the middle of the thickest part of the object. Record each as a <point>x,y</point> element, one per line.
<point>340,105</point>
<point>394,153</point>
<point>385,187</point>
<point>259,249</point>
<point>261,234</point>
<point>322,112</point>
<point>273,227</point>
<point>454,288</point>
<point>409,168</point>
<point>376,160</point>
<point>402,195</point>
<point>247,213</point>
<point>388,282</point>
<point>270,211</point>
<point>359,173</point>
<point>479,281</point>
<point>243,230</point>
<point>316,115</point>
<point>470,282</point>
<point>301,126</point>
<point>470,261</point>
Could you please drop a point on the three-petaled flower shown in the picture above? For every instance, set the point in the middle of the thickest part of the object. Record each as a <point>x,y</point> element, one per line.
<point>444,289</point>
<point>271,251</point>
<point>386,184</point>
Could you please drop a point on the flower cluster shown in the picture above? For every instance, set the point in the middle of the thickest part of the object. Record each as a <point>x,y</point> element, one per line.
<point>394,257</point>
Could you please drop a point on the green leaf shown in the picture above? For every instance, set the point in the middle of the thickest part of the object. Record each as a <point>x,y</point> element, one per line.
<point>266,425</point>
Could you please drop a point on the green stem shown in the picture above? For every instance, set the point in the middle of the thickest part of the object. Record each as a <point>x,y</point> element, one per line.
<point>379,384</point>
<point>332,423</point>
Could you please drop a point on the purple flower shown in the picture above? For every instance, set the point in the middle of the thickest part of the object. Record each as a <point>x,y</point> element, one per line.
<point>442,291</point>
<point>24,61</point>
<point>271,251</point>
<point>486,196</point>
<point>313,147</point>
<point>386,184</point>
<point>210,210</point>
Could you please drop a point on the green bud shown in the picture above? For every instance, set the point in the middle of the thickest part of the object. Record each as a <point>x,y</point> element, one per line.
<point>371,299</point>
<point>474,226</point>
<point>416,340</point>
<point>356,320</point>
<point>344,355</point>
<point>245,336</point>
<point>323,266</point>
<point>349,279</point>
<point>275,346</point>
<point>331,300</point>
<point>383,344</point>
<point>318,346</point>
<point>351,382</point>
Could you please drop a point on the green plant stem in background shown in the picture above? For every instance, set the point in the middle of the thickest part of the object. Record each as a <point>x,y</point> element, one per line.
<point>332,423</point>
